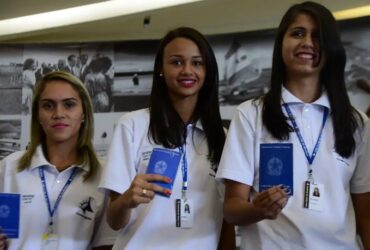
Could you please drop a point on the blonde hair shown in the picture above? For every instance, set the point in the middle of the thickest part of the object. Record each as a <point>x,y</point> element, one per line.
<point>84,145</point>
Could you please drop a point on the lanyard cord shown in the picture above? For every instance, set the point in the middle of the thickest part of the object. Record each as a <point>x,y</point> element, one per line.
<point>46,195</point>
<point>184,165</point>
<point>310,158</point>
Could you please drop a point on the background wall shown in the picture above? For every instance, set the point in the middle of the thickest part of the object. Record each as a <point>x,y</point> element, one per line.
<point>244,61</point>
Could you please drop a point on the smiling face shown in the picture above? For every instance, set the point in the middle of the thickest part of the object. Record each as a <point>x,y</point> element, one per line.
<point>300,48</point>
<point>183,69</point>
<point>60,113</point>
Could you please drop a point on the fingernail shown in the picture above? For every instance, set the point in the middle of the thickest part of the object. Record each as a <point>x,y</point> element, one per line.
<point>169,180</point>
<point>168,192</point>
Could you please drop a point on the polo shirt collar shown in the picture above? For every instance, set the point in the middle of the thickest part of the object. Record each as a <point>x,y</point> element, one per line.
<point>39,159</point>
<point>288,97</point>
<point>198,125</point>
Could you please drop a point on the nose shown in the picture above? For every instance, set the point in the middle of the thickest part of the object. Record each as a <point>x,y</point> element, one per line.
<point>308,41</point>
<point>187,68</point>
<point>58,112</point>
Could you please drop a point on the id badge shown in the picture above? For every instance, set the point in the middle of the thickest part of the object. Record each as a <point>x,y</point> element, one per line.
<point>184,213</point>
<point>50,241</point>
<point>313,196</point>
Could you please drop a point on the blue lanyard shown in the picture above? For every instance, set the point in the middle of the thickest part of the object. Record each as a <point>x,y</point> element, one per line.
<point>46,195</point>
<point>184,168</point>
<point>311,158</point>
<point>184,165</point>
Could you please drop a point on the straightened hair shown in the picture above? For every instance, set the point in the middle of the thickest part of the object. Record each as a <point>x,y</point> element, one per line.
<point>346,119</point>
<point>166,126</point>
<point>38,137</point>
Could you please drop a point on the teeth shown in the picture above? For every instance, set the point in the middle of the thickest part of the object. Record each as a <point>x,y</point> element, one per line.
<point>187,81</point>
<point>305,56</point>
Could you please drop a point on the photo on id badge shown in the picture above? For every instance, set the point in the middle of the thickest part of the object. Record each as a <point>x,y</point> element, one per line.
<point>314,196</point>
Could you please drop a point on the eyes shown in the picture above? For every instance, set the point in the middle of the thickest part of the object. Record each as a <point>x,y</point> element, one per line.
<point>49,105</point>
<point>300,33</point>
<point>195,62</point>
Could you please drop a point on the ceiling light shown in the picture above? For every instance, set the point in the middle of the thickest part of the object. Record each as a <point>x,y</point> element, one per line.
<point>82,14</point>
<point>352,13</point>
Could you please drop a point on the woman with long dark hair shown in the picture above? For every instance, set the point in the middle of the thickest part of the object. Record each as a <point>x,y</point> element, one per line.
<point>303,134</point>
<point>183,121</point>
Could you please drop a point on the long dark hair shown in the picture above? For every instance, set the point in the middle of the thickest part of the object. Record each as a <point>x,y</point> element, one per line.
<point>166,127</point>
<point>345,117</point>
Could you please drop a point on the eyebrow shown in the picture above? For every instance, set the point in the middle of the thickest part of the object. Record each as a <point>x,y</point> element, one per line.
<point>197,56</point>
<point>63,100</point>
<point>297,28</point>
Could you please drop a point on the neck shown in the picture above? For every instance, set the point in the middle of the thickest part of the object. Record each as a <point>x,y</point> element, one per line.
<point>306,89</point>
<point>185,108</point>
<point>61,155</point>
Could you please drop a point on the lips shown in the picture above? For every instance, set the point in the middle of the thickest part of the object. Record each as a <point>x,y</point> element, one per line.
<point>59,125</point>
<point>306,55</point>
<point>187,83</point>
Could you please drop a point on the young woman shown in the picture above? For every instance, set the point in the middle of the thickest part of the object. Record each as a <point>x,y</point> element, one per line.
<point>58,174</point>
<point>183,119</point>
<point>305,123</point>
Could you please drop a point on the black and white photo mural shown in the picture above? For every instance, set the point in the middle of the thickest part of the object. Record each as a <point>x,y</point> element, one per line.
<point>118,75</point>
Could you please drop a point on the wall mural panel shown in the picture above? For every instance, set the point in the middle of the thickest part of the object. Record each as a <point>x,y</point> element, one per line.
<point>118,76</point>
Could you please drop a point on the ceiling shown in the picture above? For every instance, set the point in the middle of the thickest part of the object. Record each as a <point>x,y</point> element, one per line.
<point>208,16</point>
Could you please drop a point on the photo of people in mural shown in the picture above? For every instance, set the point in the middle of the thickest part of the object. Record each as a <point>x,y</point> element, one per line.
<point>10,134</point>
<point>11,68</point>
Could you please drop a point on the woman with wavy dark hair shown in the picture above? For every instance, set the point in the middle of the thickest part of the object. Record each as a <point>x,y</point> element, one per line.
<point>302,135</point>
<point>58,174</point>
<point>183,119</point>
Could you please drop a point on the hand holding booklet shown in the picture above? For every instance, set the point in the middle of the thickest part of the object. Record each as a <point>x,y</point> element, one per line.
<point>9,214</point>
<point>276,166</point>
<point>164,162</point>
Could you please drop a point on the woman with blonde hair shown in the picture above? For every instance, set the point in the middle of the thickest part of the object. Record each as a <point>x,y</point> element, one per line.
<point>57,176</point>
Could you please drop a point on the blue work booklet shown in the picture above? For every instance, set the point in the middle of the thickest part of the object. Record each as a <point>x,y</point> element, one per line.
<point>276,166</point>
<point>164,162</point>
<point>9,214</point>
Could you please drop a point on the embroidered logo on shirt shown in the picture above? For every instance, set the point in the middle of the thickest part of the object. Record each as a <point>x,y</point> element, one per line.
<point>86,208</point>
<point>213,170</point>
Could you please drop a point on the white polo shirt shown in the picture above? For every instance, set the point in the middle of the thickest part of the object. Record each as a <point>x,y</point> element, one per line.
<point>297,227</point>
<point>80,217</point>
<point>153,225</point>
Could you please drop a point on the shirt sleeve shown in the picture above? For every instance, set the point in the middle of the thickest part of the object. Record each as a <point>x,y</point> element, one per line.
<point>103,234</point>
<point>237,160</point>
<point>360,182</point>
<point>119,170</point>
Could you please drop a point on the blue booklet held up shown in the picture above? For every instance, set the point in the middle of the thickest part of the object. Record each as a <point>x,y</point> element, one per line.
<point>276,166</point>
<point>164,162</point>
<point>9,214</point>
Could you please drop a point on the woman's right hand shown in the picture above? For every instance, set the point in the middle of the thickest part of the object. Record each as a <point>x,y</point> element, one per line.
<point>142,189</point>
<point>271,201</point>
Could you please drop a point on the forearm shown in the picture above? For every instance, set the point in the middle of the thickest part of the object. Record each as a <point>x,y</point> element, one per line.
<point>241,212</point>
<point>227,237</point>
<point>361,204</point>
<point>118,212</point>
<point>363,227</point>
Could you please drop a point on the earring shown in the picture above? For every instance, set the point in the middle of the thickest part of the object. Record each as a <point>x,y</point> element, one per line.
<point>160,74</point>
